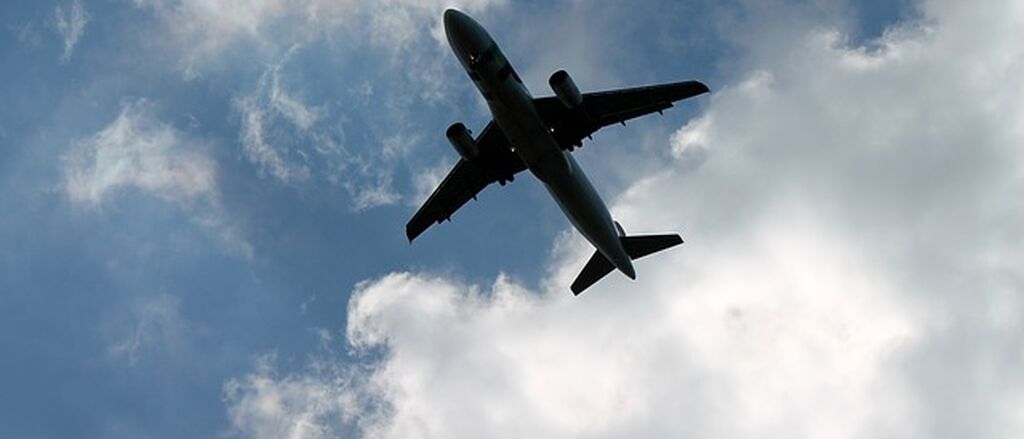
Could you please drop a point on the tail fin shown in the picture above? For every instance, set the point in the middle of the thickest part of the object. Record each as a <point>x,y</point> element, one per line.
<point>636,247</point>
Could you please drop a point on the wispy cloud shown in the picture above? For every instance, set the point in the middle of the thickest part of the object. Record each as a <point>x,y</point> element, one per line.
<point>827,271</point>
<point>141,153</point>
<point>293,133</point>
<point>138,151</point>
<point>200,30</point>
<point>155,326</point>
<point>70,20</point>
<point>279,131</point>
<point>27,34</point>
<point>271,155</point>
<point>295,142</point>
<point>373,193</point>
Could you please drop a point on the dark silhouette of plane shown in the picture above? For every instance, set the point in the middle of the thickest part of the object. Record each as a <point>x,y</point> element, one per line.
<point>539,134</point>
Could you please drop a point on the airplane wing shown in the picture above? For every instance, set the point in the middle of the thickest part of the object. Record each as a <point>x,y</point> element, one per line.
<point>600,109</point>
<point>496,163</point>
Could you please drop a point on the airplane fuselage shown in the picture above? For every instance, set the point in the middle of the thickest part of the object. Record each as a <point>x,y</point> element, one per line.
<point>513,111</point>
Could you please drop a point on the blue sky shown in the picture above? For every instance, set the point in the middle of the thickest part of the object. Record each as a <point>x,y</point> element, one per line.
<point>204,207</point>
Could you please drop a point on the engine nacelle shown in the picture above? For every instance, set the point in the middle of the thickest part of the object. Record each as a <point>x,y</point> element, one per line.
<point>462,140</point>
<point>565,89</point>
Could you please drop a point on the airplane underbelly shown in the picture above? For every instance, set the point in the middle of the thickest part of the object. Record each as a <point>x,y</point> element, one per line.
<point>532,143</point>
<point>583,206</point>
<point>513,111</point>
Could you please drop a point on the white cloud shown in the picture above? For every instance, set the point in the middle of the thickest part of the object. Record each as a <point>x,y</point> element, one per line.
<point>268,155</point>
<point>201,30</point>
<point>289,129</point>
<point>296,142</point>
<point>139,152</point>
<point>279,131</point>
<point>70,20</point>
<point>264,405</point>
<point>852,269</point>
<point>366,195</point>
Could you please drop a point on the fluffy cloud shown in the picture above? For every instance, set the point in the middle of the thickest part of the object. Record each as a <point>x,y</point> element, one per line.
<point>852,270</point>
<point>139,152</point>
<point>70,21</point>
<point>265,405</point>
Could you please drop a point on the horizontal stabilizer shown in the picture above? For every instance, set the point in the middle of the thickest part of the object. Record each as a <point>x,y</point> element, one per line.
<point>643,245</point>
<point>597,267</point>
<point>636,247</point>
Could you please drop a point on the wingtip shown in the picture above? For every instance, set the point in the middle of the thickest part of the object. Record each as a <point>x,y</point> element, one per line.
<point>703,87</point>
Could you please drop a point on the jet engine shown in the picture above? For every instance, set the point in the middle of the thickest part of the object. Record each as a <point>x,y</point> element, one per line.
<point>462,140</point>
<point>565,89</point>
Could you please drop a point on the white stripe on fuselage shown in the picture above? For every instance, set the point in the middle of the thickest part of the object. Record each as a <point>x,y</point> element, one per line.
<point>512,107</point>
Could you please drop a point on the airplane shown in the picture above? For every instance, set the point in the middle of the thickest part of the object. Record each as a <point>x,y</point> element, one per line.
<point>539,135</point>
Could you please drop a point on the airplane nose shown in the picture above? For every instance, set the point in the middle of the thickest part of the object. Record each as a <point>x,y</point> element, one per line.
<point>466,37</point>
<point>452,19</point>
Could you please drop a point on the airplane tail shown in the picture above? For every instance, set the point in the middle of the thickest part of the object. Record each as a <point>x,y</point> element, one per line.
<point>636,247</point>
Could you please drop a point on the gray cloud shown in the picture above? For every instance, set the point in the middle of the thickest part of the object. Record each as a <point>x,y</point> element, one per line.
<point>852,270</point>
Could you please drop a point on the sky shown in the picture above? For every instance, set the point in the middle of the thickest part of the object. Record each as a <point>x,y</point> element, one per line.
<point>204,205</point>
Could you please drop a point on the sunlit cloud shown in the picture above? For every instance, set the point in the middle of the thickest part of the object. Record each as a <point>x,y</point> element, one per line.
<point>850,262</point>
